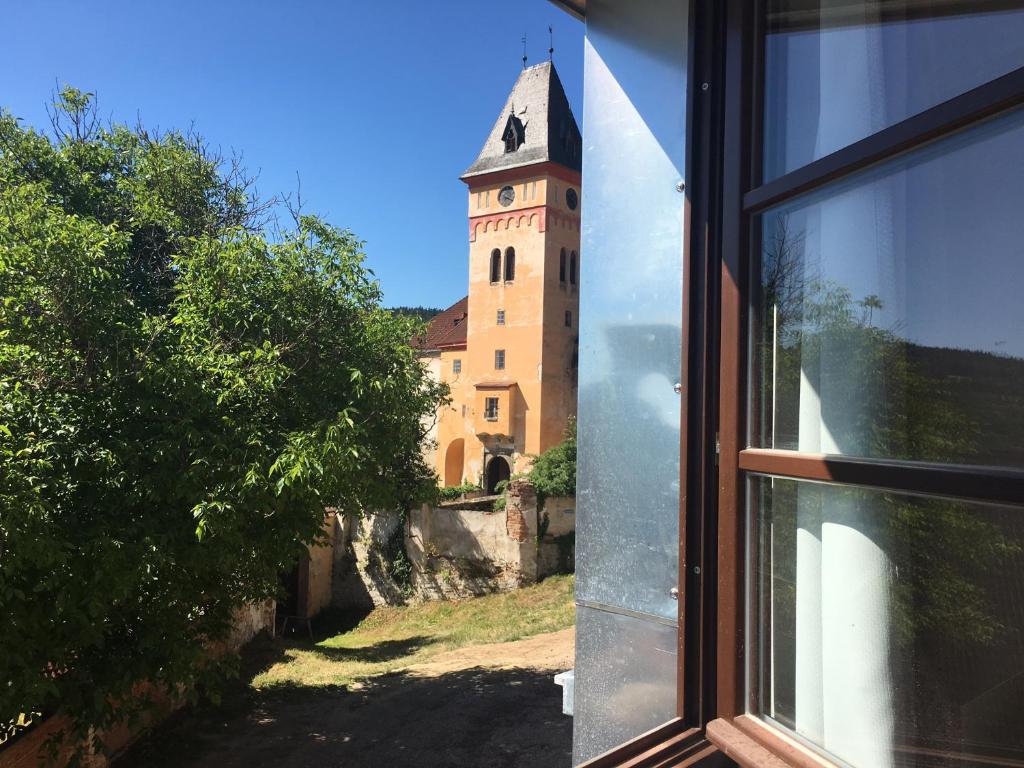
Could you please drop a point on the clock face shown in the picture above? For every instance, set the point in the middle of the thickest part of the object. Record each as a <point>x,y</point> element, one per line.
<point>571,199</point>
<point>506,196</point>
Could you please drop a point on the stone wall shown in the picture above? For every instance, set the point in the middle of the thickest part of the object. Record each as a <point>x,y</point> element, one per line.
<point>455,550</point>
<point>558,547</point>
<point>31,748</point>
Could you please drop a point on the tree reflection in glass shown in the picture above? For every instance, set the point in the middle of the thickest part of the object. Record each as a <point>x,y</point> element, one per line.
<point>953,620</point>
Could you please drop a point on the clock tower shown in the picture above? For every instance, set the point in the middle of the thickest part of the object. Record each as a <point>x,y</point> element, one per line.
<point>516,386</point>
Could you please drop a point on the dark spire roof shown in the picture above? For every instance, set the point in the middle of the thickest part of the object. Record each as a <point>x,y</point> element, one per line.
<point>538,118</point>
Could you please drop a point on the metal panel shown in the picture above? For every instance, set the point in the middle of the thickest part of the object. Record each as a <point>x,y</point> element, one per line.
<point>630,304</point>
<point>625,679</point>
<point>631,286</point>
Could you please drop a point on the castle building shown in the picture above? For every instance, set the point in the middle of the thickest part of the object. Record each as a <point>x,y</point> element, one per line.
<point>509,349</point>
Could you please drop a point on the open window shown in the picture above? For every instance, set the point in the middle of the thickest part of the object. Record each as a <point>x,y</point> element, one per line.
<point>850,536</point>
<point>496,265</point>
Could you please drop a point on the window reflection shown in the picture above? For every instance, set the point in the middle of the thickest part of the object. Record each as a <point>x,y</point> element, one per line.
<point>891,627</point>
<point>837,73</point>
<point>890,322</point>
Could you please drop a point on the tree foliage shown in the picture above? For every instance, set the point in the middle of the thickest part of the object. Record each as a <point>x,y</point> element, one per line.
<point>181,396</point>
<point>422,313</point>
<point>554,471</point>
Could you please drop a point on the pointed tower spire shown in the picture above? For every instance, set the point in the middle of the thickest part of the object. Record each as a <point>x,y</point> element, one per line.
<point>536,125</point>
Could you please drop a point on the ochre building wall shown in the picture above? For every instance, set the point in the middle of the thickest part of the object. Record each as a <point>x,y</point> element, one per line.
<point>538,383</point>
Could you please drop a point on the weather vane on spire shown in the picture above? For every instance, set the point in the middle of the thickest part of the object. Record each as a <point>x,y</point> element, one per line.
<point>551,43</point>
<point>524,51</point>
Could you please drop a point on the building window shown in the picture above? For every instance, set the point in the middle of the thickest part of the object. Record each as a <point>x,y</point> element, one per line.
<point>495,266</point>
<point>501,317</point>
<point>568,319</point>
<point>572,268</point>
<point>510,264</point>
<point>499,359</point>
<point>491,408</point>
<point>456,367</point>
<point>561,266</point>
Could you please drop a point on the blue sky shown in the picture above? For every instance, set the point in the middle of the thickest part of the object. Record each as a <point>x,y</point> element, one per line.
<point>378,106</point>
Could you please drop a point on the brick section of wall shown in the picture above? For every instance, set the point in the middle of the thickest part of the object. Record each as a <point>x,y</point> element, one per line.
<point>520,496</point>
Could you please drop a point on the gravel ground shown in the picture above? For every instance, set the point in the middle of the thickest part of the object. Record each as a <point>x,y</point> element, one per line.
<point>491,705</point>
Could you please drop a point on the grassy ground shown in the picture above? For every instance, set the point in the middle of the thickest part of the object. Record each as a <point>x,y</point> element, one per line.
<point>388,639</point>
<point>349,699</point>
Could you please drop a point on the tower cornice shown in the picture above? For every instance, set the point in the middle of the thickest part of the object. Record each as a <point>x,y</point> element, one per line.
<point>540,216</point>
<point>490,178</point>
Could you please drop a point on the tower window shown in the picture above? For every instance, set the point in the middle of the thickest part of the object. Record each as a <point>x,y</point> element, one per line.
<point>510,264</point>
<point>501,317</point>
<point>491,408</point>
<point>456,367</point>
<point>514,134</point>
<point>572,268</point>
<point>499,359</point>
<point>561,266</point>
<point>568,318</point>
<point>495,265</point>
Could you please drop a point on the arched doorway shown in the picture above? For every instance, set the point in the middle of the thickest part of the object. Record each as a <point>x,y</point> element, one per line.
<point>453,459</point>
<point>497,470</point>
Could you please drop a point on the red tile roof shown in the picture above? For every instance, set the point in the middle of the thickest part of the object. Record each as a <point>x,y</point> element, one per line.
<point>446,330</point>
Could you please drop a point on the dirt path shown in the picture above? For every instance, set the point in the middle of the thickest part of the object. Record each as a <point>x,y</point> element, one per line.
<point>487,705</point>
<point>551,651</point>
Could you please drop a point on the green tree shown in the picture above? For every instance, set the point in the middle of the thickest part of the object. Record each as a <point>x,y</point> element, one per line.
<point>181,396</point>
<point>554,472</point>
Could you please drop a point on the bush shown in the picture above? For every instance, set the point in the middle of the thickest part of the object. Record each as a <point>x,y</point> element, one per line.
<point>554,471</point>
<point>453,492</point>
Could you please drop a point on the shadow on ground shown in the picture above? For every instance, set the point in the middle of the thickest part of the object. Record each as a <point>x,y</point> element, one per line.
<point>473,717</point>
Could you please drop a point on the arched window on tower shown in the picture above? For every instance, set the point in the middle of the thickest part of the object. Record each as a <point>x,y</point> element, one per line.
<point>495,265</point>
<point>572,268</point>
<point>561,266</point>
<point>510,264</point>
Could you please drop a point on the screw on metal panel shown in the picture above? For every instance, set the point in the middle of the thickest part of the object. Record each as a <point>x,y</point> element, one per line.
<point>677,388</point>
<point>680,186</point>
<point>696,569</point>
<point>674,593</point>
<point>704,86</point>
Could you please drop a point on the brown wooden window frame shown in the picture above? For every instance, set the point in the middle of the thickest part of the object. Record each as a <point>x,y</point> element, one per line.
<point>745,737</point>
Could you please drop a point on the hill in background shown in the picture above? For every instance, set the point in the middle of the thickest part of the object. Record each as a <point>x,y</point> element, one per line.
<point>423,313</point>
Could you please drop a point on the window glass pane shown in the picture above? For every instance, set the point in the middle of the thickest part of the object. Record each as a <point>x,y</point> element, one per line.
<point>891,321</point>
<point>837,71</point>
<point>890,627</point>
